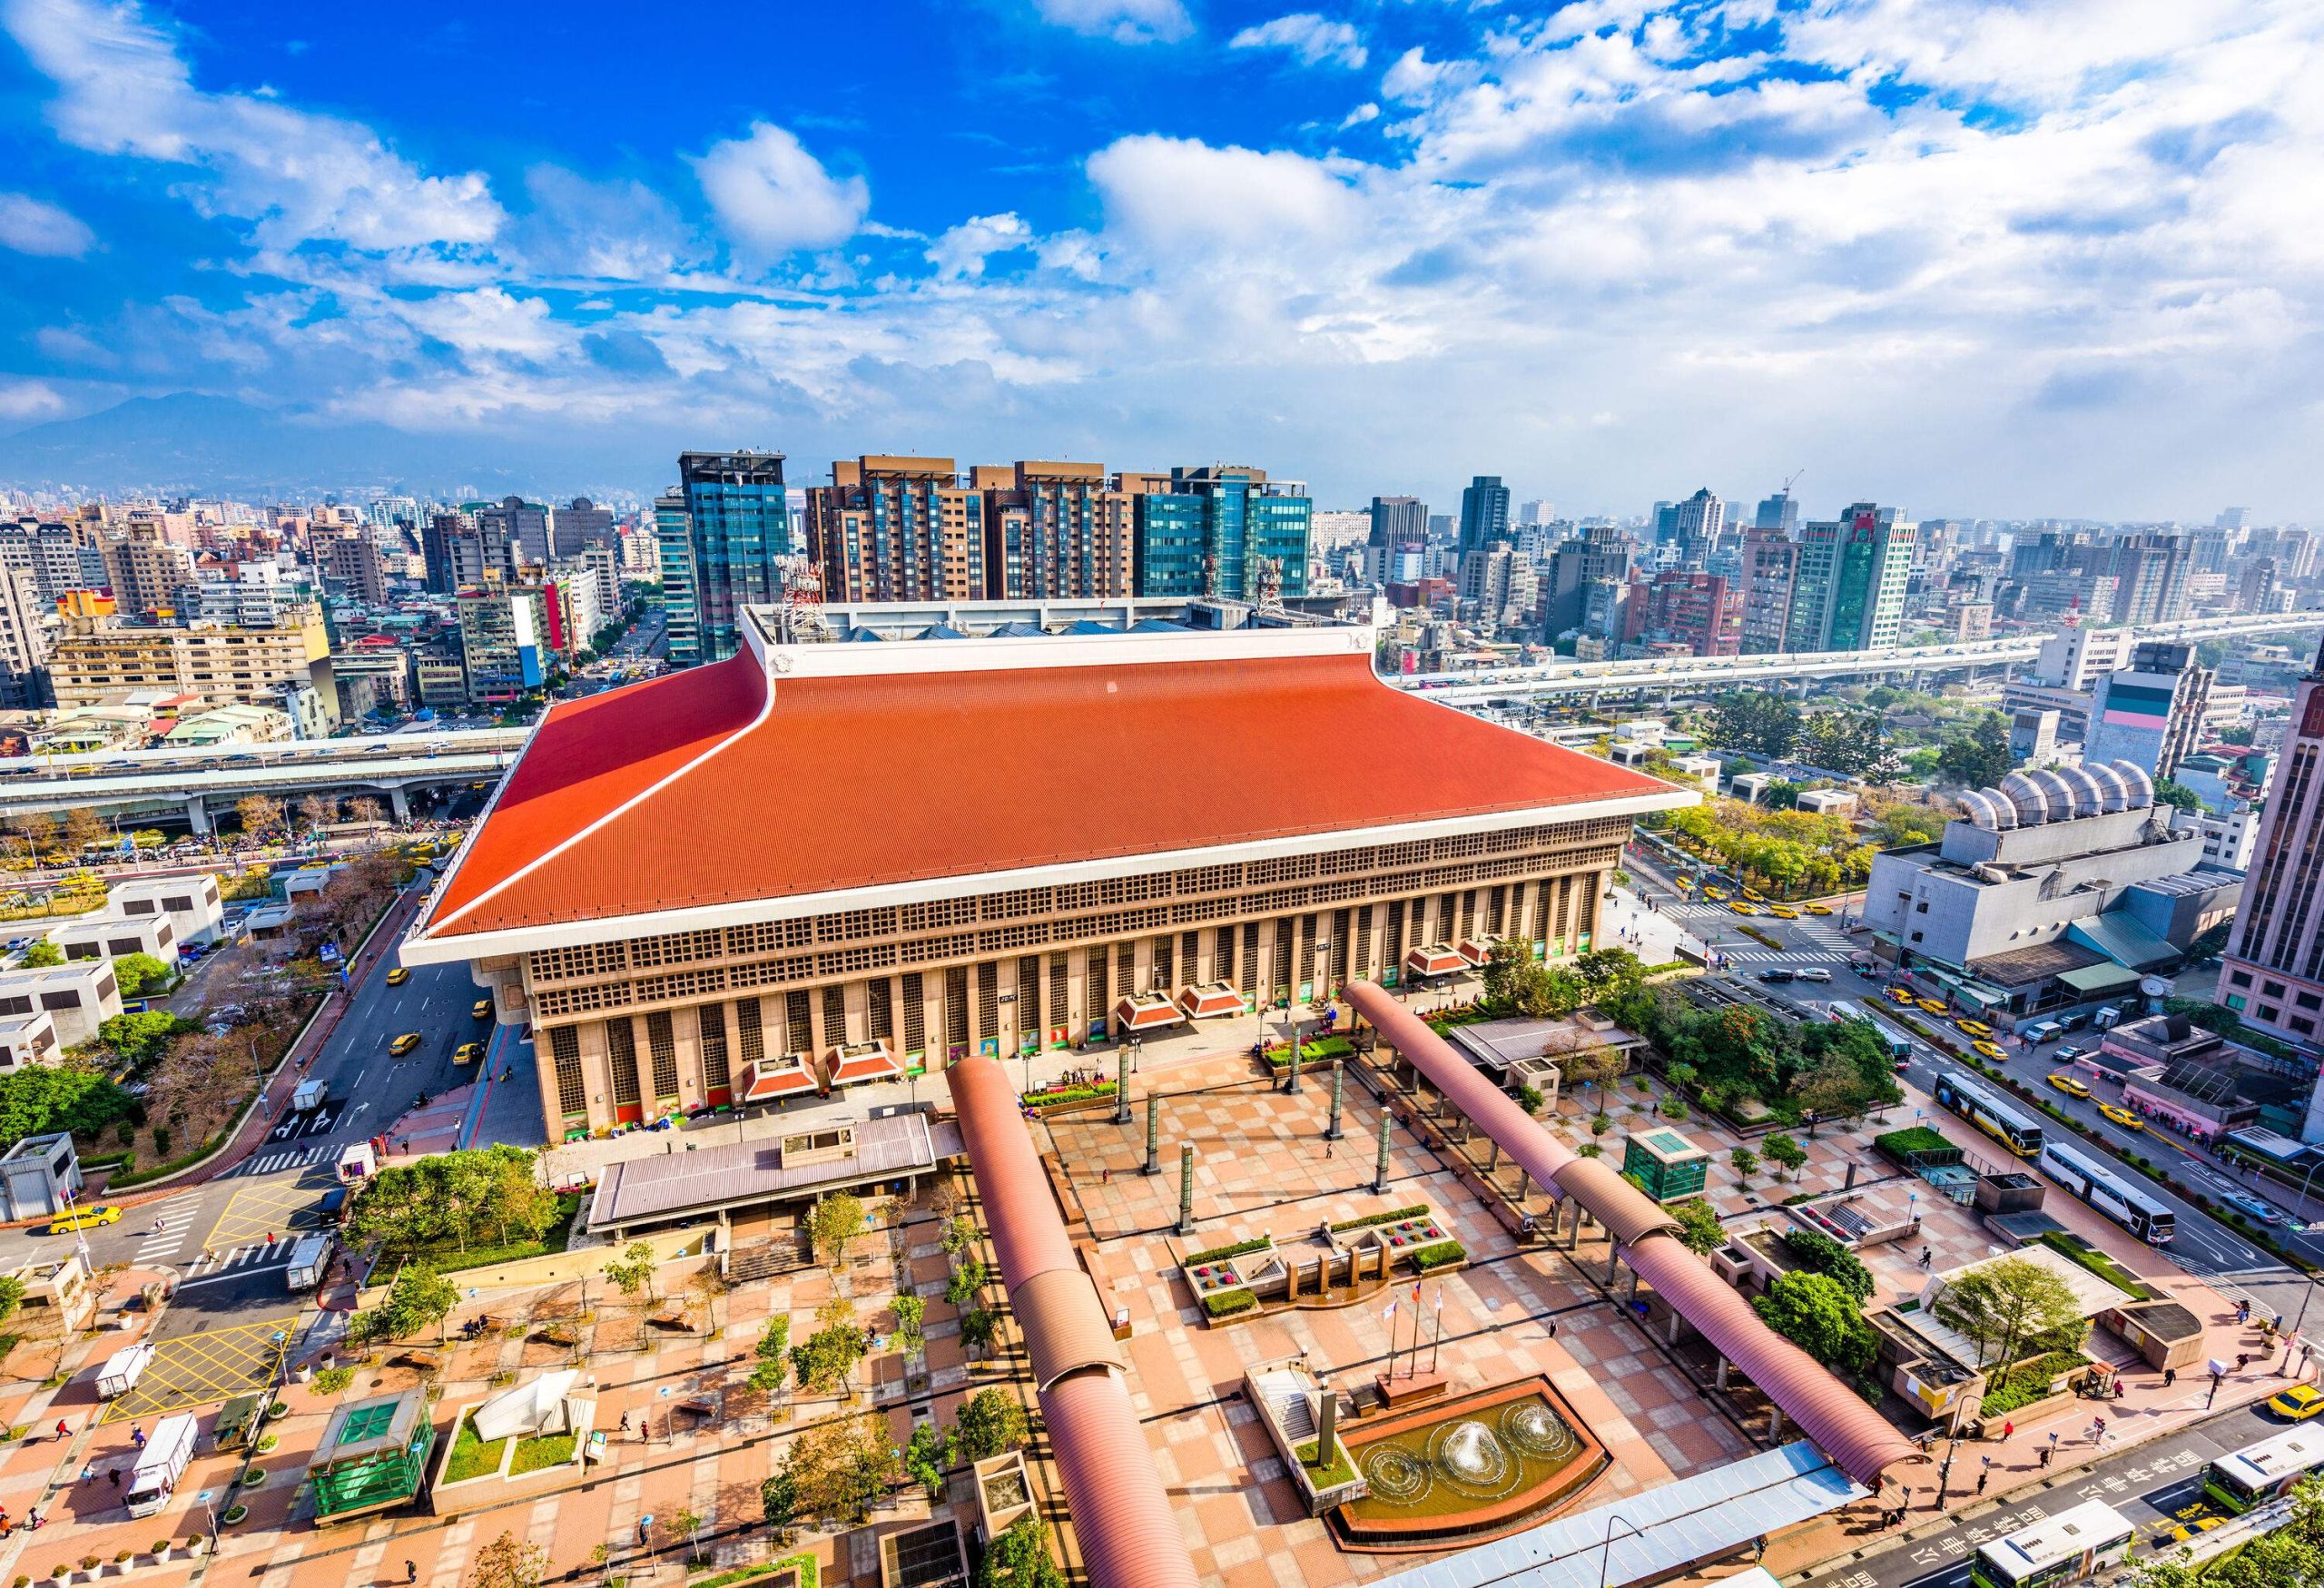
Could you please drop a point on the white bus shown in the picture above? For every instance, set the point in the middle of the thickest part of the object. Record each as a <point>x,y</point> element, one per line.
<point>2108,1192</point>
<point>1982,1108</point>
<point>2063,1548</point>
<point>2262,1471</point>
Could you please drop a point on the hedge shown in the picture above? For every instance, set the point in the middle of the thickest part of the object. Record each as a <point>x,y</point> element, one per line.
<point>2027,1383</point>
<point>2098,1263</point>
<point>1226,1303</point>
<point>1311,1053</point>
<point>1068,1094</point>
<point>1220,1254</point>
<point>1911,1138</point>
<point>1439,1254</point>
<point>1393,1216</point>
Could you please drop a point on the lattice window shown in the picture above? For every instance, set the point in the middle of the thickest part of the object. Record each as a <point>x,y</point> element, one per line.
<point>1305,968</point>
<point>988,1000</point>
<point>915,1012</point>
<point>1058,972</point>
<point>1283,930</point>
<point>1341,927</point>
<point>1125,967</point>
<point>934,914</point>
<point>855,923</point>
<point>621,1047</point>
<point>835,1013</point>
<point>1394,957</point>
<point>1165,965</point>
<point>715,1069</point>
<point>763,938</point>
<point>1094,966</point>
<point>1249,961</point>
<point>588,959</point>
<point>1222,953</point>
<point>1028,995</point>
<point>678,948</point>
<point>1496,906</point>
<point>956,1006</point>
<point>572,1090</point>
<point>1468,914</point>
<point>661,1043</point>
<point>1363,940</point>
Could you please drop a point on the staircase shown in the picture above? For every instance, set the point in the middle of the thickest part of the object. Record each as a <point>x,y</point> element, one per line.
<point>1286,1394</point>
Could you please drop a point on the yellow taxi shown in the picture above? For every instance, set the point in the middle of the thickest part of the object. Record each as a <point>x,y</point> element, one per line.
<point>399,976</point>
<point>404,1044</point>
<point>1682,882</point>
<point>2181,1531</point>
<point>481,1008</point>
<point>2122,1117</point>
<point>1929,1006</point>
<point>1756,896</point>
<point>1990,1050</point>
<point>467,1052</point>
<point>2068,1085</point>
<point>1818,909</point>
<point>2298,1403</point>
<point>1740,907</point>
<point>1714,893</point>
<point>87,1218</point>
<point>1783,913</point>
<point>1898,995</point>
<point>1973,1028</point>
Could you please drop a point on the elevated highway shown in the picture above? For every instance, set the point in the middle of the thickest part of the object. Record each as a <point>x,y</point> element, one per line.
<point>196,783</point>
<point>1672,676</point>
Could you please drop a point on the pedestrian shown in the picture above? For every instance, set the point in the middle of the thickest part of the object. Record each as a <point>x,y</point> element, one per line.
<point>2169,1377</point>
<point>2243,1360</point>
<point>2243,1312</point>
<point>1983,1478</point>
<point>641,1533</point>
<point>2098,1430</point>
<point>89,1473</point>
<point>60,1427</point>
<point>114,1472</point>
<point>2049,1450</point>
<point>137,1436</point>
<point>410,1572</point>
<point>1105,1176</point>
<point>625,1422</point>
<point>270,1240</point>
<point>2007,1429</point>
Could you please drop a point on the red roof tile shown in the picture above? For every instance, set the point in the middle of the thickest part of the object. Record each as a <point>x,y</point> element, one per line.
<point>853,782</point>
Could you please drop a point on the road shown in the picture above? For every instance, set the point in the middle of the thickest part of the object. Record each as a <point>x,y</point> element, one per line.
<point>2155,1487</point>
<point>2203,1245</point>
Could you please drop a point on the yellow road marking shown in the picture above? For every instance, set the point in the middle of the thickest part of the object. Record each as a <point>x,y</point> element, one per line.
<point>193,1370</point>
<point>255,1210</point>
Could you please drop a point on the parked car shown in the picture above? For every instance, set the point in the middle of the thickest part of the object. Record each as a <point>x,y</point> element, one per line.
<point>2068,1085</point>
<point>2067,1054</point>
<point>1814,973</point>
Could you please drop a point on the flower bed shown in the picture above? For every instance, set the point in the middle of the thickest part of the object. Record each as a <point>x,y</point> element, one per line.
<point>1417,1210</point>
<point>1058,1096</point>
<point>1220,1254</point>
<point>1911,1138</point>
<point>1440,1255</point>
<point>2028,1382</point>
<point>1317,1051</point>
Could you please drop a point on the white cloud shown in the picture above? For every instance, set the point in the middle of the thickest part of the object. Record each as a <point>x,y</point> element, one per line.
<point>1315,40</point>
<point>122,89</point>
<point>1125,22</point>
<point>25,401</point>
<point>602,231</point>
<point>1366,112</point>
<point>962,250</point>
<point>30,225</point>
<point>489,321</point>
<point>1179,195</point>
<point>775,198</point>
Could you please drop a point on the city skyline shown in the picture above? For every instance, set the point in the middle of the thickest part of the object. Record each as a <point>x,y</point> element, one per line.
<point>1606,257</point>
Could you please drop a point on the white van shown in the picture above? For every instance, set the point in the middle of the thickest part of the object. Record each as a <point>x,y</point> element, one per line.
<point>357,1162</point>
<point>120,1374</point>
<point>2043,1031</point>
<point>309,1258</point>
<point>160,1465</point>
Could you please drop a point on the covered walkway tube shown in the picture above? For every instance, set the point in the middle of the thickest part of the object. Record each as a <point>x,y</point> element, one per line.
<point>1121,1517</point>
<point>1858,1438</point>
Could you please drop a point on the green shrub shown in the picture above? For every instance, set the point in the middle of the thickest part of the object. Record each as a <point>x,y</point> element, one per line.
<point>1220,1254</point>
<point>1438,1253</point>
<point>2027,1383</point>
<point>1226,1303</point>
<point>1819,1254</point>
<point>1393,1215</point>
<point>331,1380</point>
<point>1911,1139</point>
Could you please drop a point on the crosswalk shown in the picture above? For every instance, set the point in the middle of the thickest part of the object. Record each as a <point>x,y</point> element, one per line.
<point>246,1257</point>
<point>174,1226</point>
<point>271,1162</point>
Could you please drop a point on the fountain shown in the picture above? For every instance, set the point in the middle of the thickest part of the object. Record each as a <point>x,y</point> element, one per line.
<point>1475,1467</point>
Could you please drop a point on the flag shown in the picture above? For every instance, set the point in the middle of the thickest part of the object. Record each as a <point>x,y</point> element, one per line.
<point>1439,1301</point>
<point>1415,1292</point>
<point>1389,1314</point>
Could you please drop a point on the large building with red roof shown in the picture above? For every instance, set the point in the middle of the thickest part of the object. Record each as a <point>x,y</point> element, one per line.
<point>819,863</point>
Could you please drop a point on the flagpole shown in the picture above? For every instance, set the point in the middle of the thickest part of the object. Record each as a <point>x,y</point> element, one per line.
<point>1436,1335</point>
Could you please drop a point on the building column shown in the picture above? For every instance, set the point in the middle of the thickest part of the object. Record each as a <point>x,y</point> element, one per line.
<point>400,802</point>
<point>197,816</point>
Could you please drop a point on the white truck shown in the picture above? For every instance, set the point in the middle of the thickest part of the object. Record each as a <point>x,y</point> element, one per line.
<point>309,1096</point>
<point>160,1465</point>
<point>357,1162</point>
<point>309,1258</point>
<point>122,1370</point>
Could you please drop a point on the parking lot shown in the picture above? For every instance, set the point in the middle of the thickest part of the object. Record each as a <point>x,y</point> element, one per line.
<point>194,1370</point>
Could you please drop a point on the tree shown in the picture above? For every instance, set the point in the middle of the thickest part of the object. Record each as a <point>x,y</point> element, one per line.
<point>506,1564</point>
<point>826,1363</point>
<point>1816,1313</point>
<point>1020,1558</point>
<point>38,830</point>
<point>989,1422</point>
<point>1757,720</point>
<point>2003,1304</point>
<point>260,814</point>
<point>704,1286</point>
<point>979,1328</point>
<point>1834,1089</point>
<point>417,1298</point>
<point>911,1314</point>
<point>140,1039</point>
<point>43,953</point>
<point>966,1281</point>
<point>960,1234</point>
<point>73,1096</point>
<point>83,829</point>
<point>774,1354</point>
<point>837,1468</point>
<point>924,1458</point>
<point>1746,1162</point>
<point>12,1296</point>
<point>690,1524</point>
<point>451,1198</point>
<point>1903,824</point>
<point>2289,1556</point>
<point>1699,1225</point>
<point>634,1270</point>
<point>1785,1153</point>
<point>837,1219</point>
<point>140,973</point>
<point>317,811</point>
<point>2176,794</point>
<point>1980,758</point>
<point>363,808</point>
<point>1846,742</point>
<point>1510,957</point>
<point>779,1501</point>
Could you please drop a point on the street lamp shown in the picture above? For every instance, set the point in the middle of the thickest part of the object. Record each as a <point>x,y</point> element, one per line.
<point>1606,1550</point>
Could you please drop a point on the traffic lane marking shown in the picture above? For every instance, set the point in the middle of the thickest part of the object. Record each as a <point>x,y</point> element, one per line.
<point>191,1370</point>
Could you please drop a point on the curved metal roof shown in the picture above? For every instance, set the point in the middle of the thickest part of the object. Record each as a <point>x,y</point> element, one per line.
<point>1851,1432</point>
<point>1122,1519</point>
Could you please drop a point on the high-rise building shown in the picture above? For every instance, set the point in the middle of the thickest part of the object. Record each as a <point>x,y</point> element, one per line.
<point>1779,512</point>
<point>1702,612</point>
<point>23,642</point>
<point>578,524</point>
<point>674,543</point>
<point>1057,531</point>
<point>144,568</point>
<point>1484,512</point>
<point>350,559</point>
<point>1599,552</point>
<point>2151,712</point>
<point>2273,974</point>
<point>2150,573</point>
<point>1696,526</point>
<point>460,551</point>
<point>2229,519</point>
<point>1770,562</point>
<point>509,637</point>
<point>1206,532</point>
<point>520,524</point>
<point>1399,521</point>
<point>891,529</point>
<point>96,659</point>
<point>52,553</point>
<point>1849,593</point>
<point>738,530</point>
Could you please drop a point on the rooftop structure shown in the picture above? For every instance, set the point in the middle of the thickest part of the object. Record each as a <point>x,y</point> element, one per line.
<point>813,846</point>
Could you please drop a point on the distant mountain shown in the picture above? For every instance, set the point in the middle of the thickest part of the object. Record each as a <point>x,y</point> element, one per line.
<point>217,445</point>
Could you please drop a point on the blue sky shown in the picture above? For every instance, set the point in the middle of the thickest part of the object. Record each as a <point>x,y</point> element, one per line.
<point>2059,258</point>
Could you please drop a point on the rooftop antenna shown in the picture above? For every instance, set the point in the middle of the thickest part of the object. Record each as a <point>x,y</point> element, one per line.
<point>1268,581</point>
<point>802,602</point>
